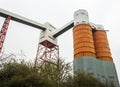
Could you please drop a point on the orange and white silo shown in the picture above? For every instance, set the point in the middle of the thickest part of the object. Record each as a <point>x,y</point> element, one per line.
<point>83,41</point>
<point>84,50</point>
<point>82,35</point>
<point>91,49</point>
<point>101,45</point>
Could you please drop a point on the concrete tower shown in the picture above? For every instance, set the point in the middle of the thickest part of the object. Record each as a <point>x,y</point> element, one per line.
<point>91,49</point>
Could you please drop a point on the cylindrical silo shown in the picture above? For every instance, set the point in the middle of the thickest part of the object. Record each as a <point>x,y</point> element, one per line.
<point>91,49</point>
<point>101,45</point>
<point>83,41</point>
<point>84,50</point>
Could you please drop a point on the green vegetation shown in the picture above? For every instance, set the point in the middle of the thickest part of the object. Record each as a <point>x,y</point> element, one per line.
<point>57,74</point>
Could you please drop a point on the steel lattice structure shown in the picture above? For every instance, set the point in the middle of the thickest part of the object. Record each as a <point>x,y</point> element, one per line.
<point>3,31</point>
<point>46,53</point>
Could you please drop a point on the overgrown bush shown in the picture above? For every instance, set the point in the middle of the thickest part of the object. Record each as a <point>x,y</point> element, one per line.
<point>57,74</point>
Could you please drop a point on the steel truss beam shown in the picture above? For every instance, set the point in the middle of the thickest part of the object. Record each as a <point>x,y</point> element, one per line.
<point>21,19</point>
<point>63,29</point>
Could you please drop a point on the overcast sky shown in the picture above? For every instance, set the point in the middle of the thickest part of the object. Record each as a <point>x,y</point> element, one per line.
<point>58,12</point>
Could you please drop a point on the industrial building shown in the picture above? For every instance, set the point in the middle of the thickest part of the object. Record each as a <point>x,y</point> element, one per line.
<point>92,53</point>
<point>91,50</point>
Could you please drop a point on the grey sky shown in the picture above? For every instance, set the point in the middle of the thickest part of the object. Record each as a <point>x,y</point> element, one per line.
<point>58,12</point>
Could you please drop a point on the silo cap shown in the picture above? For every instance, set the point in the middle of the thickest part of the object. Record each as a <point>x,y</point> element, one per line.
<point>99,27</point>
<point>81,10</point>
